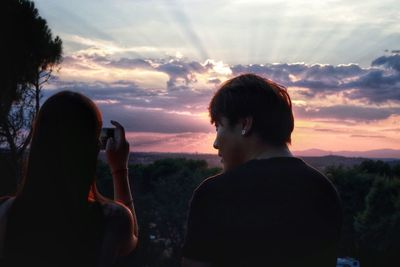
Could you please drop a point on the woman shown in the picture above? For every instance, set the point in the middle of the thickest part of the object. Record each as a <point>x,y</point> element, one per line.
<point>57,217</point>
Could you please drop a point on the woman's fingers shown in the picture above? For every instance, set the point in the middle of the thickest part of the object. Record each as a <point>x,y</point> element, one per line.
<point>117,148</point>
<point>110,145</point>
<point>120,129</point>
<point>119,132</point>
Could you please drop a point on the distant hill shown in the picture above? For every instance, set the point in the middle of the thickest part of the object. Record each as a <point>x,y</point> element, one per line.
<point>319,162</point>
<point>372,154</point>
<point>150,157</point>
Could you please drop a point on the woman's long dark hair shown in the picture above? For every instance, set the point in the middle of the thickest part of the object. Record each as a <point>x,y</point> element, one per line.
<point>51,213</point>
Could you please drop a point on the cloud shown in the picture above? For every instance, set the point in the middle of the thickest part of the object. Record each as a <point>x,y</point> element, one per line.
<point>392,62</point>
<point>145,110</point>
<point>395,130</point>
<point>171,142</point>
<point>130,63</point>
<point>181,71</point>
<point>125,91</point>
<point>346,92</point>
<point>346,112</point>
<point>374,85</point>
<point>329,130</point>
<point>215,81</point>
<point>301,74</point>
<point>379,83</point>
<point>142,119</point>
<point>367,136</point>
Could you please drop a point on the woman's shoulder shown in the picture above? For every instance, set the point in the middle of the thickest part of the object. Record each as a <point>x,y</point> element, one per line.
<point>5,198</point>
<point>5,201</point>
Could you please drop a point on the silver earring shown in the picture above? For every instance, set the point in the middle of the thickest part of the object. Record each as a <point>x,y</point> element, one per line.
<point>243,132</point>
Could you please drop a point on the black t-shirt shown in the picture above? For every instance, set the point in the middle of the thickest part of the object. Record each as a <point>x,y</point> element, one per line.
<point>268,212</point>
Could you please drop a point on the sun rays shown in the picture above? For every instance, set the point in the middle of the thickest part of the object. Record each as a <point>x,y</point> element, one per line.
<point>161,61</point>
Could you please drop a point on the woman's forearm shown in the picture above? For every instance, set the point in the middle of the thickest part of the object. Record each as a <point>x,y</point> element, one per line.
<point>123,194</point>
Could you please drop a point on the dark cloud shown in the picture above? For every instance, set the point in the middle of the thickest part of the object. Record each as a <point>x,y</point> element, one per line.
<point>318,72</point>
<point>375,85</point>
<point>392,61</point>
<point>128,63</point>
<point>139,119</point>
<point>215,81</point>
<point>396,130</point>
<point>280,75</point>
<point>328,130</point>
<point>334,121</point>
<point>316,86</point>
<point>347,112</point>
<point>149,140</point>
<point>181,73</point>
<point>367,136</point>
<point>118,90</point>
<point>378,84</point>
<point>306,74</point>
<point>144,110</point>
<point>174,140</point>
<point>128,93</point>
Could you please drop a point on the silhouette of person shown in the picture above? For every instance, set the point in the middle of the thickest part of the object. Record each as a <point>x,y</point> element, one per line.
<point>268,208</point>
<point>57,217</point>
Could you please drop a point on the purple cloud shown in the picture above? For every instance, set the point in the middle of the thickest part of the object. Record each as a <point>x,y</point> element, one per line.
<point>157,108</point>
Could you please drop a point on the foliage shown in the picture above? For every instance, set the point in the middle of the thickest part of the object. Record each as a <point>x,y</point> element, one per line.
<point>370,193</point>
<point>162,191</point>
<point>353,186</point>
<point>378,225</point>
<point>376,167</point>
<point>30,53</point>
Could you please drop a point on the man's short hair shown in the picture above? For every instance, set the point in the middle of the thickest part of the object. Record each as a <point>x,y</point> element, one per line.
<point>267,102</point>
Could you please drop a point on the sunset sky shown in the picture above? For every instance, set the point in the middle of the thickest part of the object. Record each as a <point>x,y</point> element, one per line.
<point>154,65</point>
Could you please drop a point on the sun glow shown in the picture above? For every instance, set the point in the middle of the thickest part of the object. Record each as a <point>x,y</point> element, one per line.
<point>165,60</point>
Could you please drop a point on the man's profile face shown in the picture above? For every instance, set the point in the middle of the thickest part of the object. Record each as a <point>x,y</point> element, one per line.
<point>228,142</point>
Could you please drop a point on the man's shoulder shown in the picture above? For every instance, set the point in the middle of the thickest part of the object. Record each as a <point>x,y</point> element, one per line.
<point>225,177</point>
<point>317,176</point>
<point>210,184</point>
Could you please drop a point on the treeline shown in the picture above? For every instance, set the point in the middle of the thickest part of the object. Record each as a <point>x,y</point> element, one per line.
<point>370,193</point>
<point>161,191</point>
<point>30,55</point>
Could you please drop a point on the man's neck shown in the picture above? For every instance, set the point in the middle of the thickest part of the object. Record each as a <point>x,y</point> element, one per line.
<point>268,151</point>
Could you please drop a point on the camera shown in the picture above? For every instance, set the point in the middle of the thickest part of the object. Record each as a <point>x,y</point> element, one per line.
<point>104,135</point>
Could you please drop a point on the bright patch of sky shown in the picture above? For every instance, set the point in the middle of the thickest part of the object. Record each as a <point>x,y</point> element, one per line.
<point>241,31</point>
<point>155,64</point>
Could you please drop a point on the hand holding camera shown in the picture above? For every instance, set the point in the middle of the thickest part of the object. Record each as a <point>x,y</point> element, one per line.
<point>117,148</point>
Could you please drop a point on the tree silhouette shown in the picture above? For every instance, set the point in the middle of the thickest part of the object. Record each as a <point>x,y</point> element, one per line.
<point>29,56</point>
<point>370,194</point>
<point>378,226</point>
<point>161,191</point>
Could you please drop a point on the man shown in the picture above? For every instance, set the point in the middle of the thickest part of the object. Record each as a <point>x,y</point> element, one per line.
<point>267,208</point>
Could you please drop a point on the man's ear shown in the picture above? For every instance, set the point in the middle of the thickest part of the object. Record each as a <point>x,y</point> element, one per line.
<point>247,125</point>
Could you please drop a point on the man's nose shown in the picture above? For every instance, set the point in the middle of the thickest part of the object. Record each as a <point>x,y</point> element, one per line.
<point>215,145</point>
